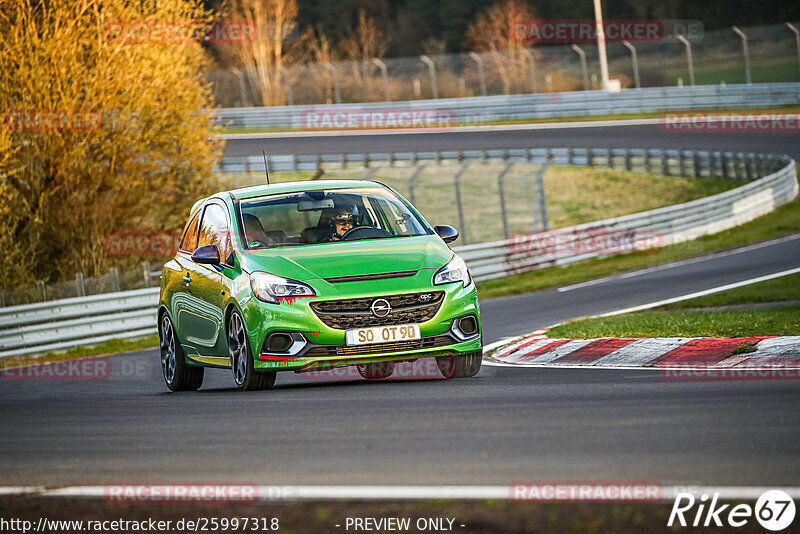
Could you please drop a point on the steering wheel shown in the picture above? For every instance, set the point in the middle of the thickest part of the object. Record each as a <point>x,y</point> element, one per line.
<point>364,232</point>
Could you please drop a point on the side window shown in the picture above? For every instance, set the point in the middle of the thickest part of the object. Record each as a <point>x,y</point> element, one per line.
<point>214,230</point>
<point>189,241</point>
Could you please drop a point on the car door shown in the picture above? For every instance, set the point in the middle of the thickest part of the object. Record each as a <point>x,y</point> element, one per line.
<point>209,285</point>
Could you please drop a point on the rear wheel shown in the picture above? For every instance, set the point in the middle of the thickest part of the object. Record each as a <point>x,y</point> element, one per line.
<point>375,371</point>
<point>461,366</point>
<point>244,373</point>
<point>177,374</point>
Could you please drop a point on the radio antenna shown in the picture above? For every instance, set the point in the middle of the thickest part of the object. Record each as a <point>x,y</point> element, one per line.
<point>266,166</point>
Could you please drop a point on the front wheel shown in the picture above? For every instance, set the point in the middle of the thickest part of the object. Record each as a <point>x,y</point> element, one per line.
<point>244,373</point>
<point>177,374</point>
<point>461,366</point>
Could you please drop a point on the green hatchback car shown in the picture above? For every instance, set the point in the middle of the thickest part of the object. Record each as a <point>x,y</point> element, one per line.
<point>308,276</point>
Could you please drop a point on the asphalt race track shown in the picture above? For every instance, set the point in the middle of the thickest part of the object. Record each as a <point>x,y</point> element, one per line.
<point>504,425</point>
<point>587,135</point>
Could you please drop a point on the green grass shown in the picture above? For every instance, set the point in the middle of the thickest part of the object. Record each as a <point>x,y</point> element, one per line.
<point>575,195</point>
<point>784,220</point>
<point>683,319</point>
<point>775,290</point>
<point>686,323</point>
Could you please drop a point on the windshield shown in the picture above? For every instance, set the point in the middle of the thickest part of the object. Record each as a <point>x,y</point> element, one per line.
<point>312,217</point>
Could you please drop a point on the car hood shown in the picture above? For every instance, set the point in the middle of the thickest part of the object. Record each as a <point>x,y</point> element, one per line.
<point>351,258</point>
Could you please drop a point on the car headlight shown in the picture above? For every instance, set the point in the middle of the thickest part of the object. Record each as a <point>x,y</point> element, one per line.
<point>271,288</point>
<point>454,271</point>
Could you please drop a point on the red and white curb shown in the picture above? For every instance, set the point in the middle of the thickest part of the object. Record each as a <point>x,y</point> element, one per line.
<point>537,350</point>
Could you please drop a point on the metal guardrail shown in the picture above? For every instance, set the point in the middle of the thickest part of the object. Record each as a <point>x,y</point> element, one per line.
<point>62,324</point>
<point>476,110</point>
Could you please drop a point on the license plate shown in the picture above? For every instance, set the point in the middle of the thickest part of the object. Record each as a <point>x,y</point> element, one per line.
<point>382,334</point>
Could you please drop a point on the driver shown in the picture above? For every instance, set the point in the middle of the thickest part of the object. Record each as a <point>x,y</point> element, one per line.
<point>342,220</point>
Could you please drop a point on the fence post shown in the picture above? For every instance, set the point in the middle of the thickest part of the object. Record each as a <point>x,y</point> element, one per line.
<point>288,83</point>
<point>115,278</point>
<point>384,74</point>
<point>610,158</point>
<point>796,33</point>
<point>413,180</point>
<point>635,62</point>
<point>681,162</point>
<point>335,76</point>
<point>584,70</point>
<point>531,68</point>
<point>432,73</point>
<point>146,273</point>
<point>79,287</point>
<point>42,289</point>
<point>481,73</point>
<point>746,53</point>
<point>696,157</point>
<point>723,163</point>
<point>503,213</point>
<point>647,166</point>
<point>664,163</point>
<point>459,204</point>
<point>689,59</point>
<point>628,165</point>
<point>541,199</point>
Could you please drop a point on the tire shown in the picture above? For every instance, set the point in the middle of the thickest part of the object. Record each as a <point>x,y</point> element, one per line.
<point>178,375</point>
<point>244,374</point>
<point>375,371</point>
<point>461,366</point>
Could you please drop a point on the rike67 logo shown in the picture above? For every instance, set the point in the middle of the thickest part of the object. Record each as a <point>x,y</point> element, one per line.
<point>774,510</point>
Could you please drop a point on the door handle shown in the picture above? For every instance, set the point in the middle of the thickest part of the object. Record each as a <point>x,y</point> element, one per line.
<point>187,279</point>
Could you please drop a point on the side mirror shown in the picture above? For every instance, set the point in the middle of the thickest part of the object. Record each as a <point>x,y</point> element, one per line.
<point>207,254</point>
<point>447,233</point>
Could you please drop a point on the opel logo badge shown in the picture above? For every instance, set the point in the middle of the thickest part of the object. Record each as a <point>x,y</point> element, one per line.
<point>381,308</point>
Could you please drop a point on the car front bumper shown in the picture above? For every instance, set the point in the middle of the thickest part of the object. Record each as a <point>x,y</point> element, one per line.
<point>318,346</point>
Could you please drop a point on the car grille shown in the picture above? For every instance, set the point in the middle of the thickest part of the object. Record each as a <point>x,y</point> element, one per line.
<point>356,313</point>
<point>339,350</point>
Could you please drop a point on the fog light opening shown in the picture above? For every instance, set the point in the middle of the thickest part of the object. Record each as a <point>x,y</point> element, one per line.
<point>279,342</point>
<point>465,328</point>
<point>468,325</point>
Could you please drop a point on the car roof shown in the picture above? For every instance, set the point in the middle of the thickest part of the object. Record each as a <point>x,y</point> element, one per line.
<point>288,187</point>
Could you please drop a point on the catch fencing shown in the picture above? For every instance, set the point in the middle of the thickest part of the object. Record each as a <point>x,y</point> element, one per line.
<point>62,324</point>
